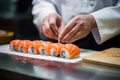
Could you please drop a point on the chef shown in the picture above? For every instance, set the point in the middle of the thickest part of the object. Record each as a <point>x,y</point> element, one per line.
<point>87,23</point>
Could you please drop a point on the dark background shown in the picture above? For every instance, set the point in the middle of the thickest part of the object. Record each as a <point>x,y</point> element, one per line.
<point>15,16</point>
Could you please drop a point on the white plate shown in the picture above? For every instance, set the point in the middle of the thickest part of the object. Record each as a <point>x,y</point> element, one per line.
<point>5,49</point>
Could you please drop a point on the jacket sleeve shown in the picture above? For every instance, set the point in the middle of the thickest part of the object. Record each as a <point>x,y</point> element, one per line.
<point>108,23</point>
<point>42,8</point>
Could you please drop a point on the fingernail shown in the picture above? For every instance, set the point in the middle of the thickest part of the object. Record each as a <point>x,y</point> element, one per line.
<point>64,40</point>
<point>60,36</point>
<point>56,33</point>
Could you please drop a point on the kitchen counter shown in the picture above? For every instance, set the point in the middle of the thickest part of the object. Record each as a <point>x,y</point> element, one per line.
<point>16,67</point>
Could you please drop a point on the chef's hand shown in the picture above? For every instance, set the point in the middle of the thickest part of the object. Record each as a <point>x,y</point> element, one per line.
<point>78,28</point>
<point>50,25</point>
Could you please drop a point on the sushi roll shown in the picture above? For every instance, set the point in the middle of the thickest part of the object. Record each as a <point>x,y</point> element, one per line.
<point>23,46</point>
<point>14,44</point>
<point>33,47</point>
<point>44,49</point>
<point>55,49</point>
<point>70,51</point>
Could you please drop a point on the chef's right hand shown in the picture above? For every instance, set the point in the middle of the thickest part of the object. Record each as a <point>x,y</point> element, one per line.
<point>50,25</point>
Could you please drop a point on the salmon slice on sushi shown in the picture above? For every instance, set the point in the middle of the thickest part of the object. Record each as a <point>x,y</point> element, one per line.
<point>55,49</point>
<point>24,44</point>
<point>70,51</point>
<point>33,47</point>
<point>14,44</point>
<point>44,49</point>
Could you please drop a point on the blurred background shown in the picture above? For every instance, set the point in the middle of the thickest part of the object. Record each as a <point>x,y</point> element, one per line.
<point>16,21</point>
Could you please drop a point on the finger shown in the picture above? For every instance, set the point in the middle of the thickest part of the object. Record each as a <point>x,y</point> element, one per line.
<point>44,32</point>
<point>70,34</point>
<point>79,35</point>
<point>67,28</point>
<point>53,25</point>
<point>48,35</point>
<point>43,28</point>
<point>49,31</point>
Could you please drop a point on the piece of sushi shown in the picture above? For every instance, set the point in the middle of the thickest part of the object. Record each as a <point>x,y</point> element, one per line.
<point>55,49</point>
<point>70,51</point>
<point>14,44</point>
<point>33,47</point>
<point>44,49</point>
<point>23,46</point>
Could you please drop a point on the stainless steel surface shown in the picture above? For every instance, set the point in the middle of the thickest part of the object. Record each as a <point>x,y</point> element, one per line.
<point>57,70</point>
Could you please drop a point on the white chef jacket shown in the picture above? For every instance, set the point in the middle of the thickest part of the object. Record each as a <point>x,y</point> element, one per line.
<point>105,12</point>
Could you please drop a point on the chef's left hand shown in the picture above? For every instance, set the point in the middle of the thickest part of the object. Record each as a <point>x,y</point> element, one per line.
<point>77,28</point>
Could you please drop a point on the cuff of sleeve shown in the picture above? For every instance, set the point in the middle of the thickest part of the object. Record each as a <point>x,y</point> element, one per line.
<point>96,35</point>
<point>105,29</point>
<point>99,33</point>
<point>96,31</point>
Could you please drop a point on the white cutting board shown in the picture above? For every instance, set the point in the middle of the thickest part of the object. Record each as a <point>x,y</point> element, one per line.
<point>5,49</point>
